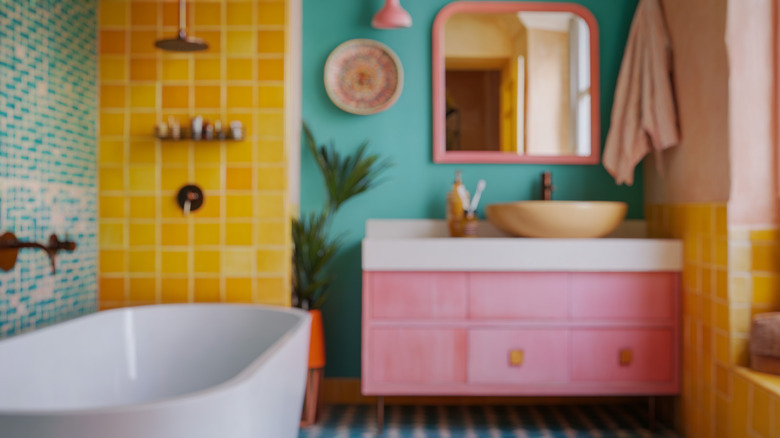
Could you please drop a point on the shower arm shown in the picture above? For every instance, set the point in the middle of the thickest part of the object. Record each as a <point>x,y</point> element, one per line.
<point>182,19</point>
<point>9,243</point>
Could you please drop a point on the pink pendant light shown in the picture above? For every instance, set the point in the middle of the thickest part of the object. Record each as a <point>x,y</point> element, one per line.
<point>392,16</point>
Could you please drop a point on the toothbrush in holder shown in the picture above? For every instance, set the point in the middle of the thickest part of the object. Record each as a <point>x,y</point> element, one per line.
<point>464,197</point>
<point>475,200</point>
<point>470,223</point>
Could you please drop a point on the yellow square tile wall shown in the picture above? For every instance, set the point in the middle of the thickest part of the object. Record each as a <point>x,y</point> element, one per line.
<point>755,411</point>
<point>755,271</point>
<point>237,247</point>
<point>729,274</point>
<point>704,231</point>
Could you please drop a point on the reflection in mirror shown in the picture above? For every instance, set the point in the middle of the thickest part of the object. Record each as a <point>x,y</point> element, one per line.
<point>518,83</point>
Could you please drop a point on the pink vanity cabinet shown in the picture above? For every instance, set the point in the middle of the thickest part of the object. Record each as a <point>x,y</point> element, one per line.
<point>520,333</point>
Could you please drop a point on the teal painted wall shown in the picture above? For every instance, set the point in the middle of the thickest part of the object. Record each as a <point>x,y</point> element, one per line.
<point>416,187</point>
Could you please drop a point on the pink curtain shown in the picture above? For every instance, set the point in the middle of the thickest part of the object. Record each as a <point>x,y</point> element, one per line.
<point>754,111</point>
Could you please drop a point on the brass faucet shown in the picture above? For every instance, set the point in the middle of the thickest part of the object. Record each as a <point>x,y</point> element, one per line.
<point>547,186</point>
<point>10,246</point>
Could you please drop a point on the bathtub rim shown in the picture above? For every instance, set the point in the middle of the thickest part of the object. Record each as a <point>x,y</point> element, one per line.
<point>162,403</point>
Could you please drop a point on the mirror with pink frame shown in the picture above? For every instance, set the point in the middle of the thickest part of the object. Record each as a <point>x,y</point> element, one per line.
<point>515,82</point>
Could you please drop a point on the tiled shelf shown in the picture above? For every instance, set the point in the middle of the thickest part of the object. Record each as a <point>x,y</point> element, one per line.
<point>181,140</point>
<point>769,382</point>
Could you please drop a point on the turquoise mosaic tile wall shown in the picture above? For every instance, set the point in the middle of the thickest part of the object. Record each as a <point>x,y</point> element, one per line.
<point>48,123</point>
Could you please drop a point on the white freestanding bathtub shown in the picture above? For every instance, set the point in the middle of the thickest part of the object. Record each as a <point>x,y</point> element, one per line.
<point>168,371</point>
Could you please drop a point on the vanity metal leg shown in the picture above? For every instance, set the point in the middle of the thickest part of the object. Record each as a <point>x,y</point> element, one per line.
<point>380,414</point>
<point>651,413</point>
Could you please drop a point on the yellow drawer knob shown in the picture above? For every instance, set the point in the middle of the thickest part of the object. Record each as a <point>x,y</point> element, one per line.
<point>516,358</point>
<point>626,356</point>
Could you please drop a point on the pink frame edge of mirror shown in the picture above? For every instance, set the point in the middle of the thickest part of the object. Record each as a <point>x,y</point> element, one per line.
<point>440,153</point>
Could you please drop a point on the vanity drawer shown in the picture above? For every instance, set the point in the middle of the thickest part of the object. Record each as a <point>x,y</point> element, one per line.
<point>638,355</point>
<point>501,356</point>
<point>417,295</point>
<point>518,295</point>
<point>417,355</point>
<point>631,295</point>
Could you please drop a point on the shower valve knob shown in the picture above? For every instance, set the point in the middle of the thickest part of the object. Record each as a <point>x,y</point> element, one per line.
<point>190,198</point>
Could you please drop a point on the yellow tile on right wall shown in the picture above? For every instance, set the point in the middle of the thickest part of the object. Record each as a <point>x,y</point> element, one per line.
<point>730,274</point>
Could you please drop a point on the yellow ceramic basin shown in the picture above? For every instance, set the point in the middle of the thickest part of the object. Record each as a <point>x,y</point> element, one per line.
<point>565,219</point>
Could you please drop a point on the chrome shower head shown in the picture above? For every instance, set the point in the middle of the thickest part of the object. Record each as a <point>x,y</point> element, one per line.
<point>182,42</point>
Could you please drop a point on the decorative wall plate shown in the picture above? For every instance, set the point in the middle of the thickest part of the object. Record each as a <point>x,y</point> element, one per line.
<point>363,76</point>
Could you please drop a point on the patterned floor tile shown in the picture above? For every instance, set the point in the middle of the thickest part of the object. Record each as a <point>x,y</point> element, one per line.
<point>598,421</point>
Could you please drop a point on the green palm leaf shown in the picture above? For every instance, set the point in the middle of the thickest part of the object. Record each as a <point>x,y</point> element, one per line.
<point>345,177</point>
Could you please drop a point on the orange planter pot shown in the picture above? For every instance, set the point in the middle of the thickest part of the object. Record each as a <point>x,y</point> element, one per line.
<point>311,403</point>
<point>317,341</point>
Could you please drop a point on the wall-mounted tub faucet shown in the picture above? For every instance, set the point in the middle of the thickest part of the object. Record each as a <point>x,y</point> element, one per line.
<point>10,246</point>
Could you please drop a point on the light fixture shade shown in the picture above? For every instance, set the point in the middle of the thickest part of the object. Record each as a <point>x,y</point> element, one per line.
<point>392,16</point>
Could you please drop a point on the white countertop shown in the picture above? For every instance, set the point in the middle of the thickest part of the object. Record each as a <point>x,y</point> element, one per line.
<point>423,245</point>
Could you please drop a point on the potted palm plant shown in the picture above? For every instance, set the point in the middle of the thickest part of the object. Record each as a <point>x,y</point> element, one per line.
<point>345,176</point>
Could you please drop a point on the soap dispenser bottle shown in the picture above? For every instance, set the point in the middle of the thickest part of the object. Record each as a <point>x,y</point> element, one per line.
<point>457,202</point>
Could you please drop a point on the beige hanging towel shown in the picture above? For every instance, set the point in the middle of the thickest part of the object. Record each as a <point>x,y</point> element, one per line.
<point>644,117</point>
